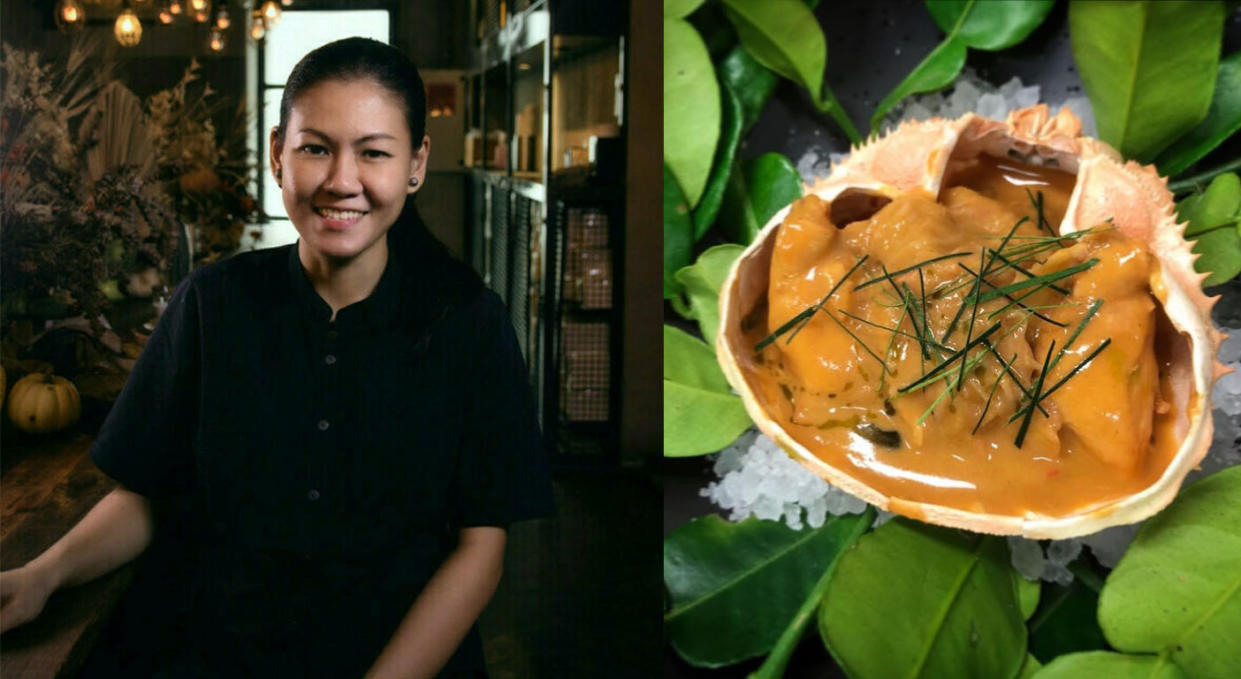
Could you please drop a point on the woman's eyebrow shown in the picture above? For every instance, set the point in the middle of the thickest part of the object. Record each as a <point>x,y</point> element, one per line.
<point>361,140</point>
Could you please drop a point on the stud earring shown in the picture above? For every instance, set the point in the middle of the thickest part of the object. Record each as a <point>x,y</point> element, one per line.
<point>279,177</point>
<point>413,181</point>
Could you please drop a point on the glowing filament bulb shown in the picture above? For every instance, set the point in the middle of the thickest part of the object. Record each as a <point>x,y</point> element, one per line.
<point>69,15</point>
<point>128,29</point>
<point>271,12</point>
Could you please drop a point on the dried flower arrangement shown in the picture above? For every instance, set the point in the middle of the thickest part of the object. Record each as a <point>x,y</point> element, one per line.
<point>104,199</point>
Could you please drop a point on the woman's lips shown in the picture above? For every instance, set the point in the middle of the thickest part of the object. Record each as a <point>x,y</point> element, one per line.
<point>339,219</point>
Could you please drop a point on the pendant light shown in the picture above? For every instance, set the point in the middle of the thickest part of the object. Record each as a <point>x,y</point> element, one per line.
<point>128,28</point>
<point>70,16</point>
<point>216,43</point>
<point>271,13</point>
<point>222,21</point>
<point>257,29</point>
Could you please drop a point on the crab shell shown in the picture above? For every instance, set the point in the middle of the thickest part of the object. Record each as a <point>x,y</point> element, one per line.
<point>1133,196</point>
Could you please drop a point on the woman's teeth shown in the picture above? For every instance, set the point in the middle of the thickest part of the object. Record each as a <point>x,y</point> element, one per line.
<point>342,215</point>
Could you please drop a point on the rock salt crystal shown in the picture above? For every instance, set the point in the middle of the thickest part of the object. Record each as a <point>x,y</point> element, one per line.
<point>759,479</point>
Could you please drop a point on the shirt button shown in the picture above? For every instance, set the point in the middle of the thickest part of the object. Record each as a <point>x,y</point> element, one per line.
<point>329,359</point>
<point>323,425</point>
<point>313,494</point>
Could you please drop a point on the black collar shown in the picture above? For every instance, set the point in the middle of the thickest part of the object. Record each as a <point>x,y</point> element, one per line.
<point>421,284</point>
<point>381,308</point>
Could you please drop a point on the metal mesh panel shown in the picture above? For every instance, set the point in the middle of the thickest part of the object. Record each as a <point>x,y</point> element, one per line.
<point>557,219</point>
<point>500,242</point>
<point>519,273</point>
<point>478,236</point>
<point>585,372</point>
<point>490,18</point>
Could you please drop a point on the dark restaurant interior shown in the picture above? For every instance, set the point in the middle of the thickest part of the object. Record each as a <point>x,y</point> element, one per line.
<point>135,142</point>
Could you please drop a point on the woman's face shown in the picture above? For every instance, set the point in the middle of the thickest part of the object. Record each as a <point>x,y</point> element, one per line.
<point>344,166</point>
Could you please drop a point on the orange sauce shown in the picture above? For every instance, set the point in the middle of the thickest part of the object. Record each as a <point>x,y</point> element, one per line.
<point>841,386</point>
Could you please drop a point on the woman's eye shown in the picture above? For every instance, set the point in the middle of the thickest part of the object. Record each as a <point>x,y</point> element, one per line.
<point>375,153</point>
<point>312,149</point>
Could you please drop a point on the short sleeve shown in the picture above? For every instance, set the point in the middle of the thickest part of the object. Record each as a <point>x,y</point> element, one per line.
<point>502,474</point>
<point>146,441</point>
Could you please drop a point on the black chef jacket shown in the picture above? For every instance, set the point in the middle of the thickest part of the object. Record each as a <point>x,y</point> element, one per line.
<point>315,472</point>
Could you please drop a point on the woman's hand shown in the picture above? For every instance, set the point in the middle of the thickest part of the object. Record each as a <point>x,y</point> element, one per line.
<point>112,533</point>
<point>446,609</point>
<point>23,593</point>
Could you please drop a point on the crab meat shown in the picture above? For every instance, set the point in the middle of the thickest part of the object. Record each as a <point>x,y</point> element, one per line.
<point>1161,355</point>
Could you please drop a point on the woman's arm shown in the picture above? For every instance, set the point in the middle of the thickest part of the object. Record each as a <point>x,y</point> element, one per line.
<point>113,532</point>
<point>446,609</point>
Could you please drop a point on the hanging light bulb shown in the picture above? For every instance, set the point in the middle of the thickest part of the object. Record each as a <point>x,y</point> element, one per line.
<point>200,16</point>
<point>271,13</point>
<point>174,7</point>
<point>286,3</point>
<point>70,16</point>
<point>165,14</point>
<point>257,29</point>
<point>128,29</point>
<point>217,41</point>
<point>199,5</point>
<point>221,17</point>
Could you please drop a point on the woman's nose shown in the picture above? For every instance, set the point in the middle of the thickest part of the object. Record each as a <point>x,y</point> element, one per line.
<point>343,176</point>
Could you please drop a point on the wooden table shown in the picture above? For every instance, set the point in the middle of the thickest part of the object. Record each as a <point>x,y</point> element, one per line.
<point>47,484</point>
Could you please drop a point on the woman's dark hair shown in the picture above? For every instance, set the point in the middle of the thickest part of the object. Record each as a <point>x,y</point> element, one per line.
<point>361,59</point>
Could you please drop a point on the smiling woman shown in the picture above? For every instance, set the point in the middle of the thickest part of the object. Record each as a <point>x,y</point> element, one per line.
<point>345,161</point>
<point>295,526</point>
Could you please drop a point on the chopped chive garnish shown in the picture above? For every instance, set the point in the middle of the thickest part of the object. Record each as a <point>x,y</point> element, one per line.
<point>1079,366</point>
<point>952,325</point>
<point>949,361</point>
<point>1038,206</point>
<point>930,336</point>
<point>1081,325</point>
<point>1102,345</point>
<point>999,376</point>
<point>985,268</point>
<point>895,331</point>
<point>908,303</point>
<point>1009,264</point>
<point>907,269</point>
<point>953,384</point>
<point>1013,376</point>
<point>934,404</point>
<point>883,375</point>
<point>1061,236</point>
<point>914,315</point>
<point>1035,398</point>
<point>1017,301</point>
<point>969,333</point>
<point>856,339</point>
<point>1031,282</point>
<point>804,316</point>
<point>831,292</point>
